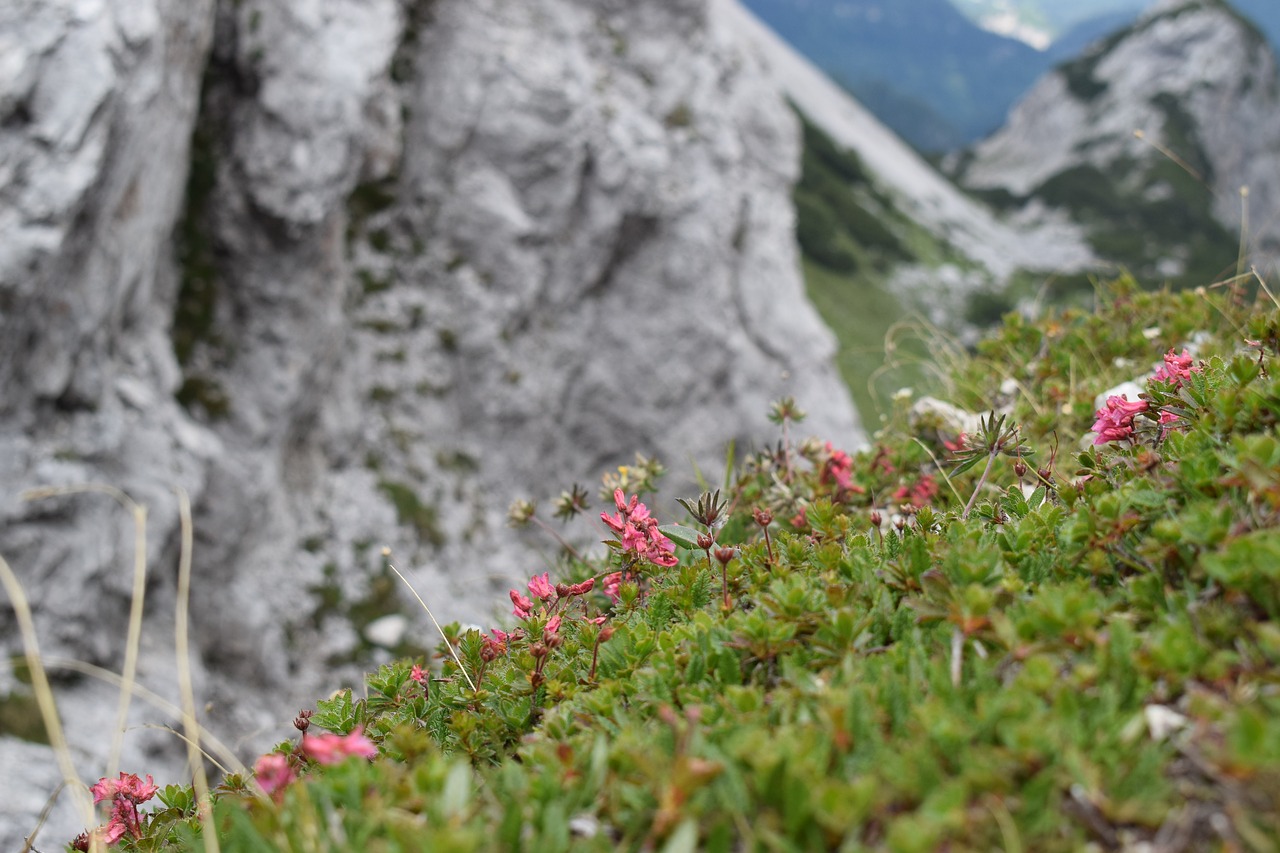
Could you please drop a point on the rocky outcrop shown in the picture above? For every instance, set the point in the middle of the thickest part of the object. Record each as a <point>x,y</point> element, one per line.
<point>355,273</point>
<point>1198,85</point>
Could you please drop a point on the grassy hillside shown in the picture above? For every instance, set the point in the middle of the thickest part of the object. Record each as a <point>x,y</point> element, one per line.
<point>852,236</point>
<point>1008,635</point>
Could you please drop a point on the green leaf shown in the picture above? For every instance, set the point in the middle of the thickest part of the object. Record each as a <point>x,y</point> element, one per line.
<point>336,714</point>
<point>685,537</point>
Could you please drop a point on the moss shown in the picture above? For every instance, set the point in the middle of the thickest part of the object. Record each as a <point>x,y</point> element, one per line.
<point>380,240</point>
<point>313,544</point>
<point>207,394</point>
<point>457,460</point>
<point>368,199</point>
<point>680,116</point>
<point>371,282</point>
<point>20,718</point>
<point>448,340</point>
<point>411,511</point>
<point>381,327</point>
<point>199,284</point>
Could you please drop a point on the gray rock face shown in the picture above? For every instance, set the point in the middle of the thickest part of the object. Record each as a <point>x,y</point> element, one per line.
<point>1195,80</point>
<point>355,273</point>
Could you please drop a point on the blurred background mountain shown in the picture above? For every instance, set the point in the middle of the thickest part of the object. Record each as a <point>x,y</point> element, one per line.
<point>944,73</point>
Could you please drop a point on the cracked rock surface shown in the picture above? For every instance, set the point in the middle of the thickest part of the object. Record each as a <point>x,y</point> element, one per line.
<point>355,273</point>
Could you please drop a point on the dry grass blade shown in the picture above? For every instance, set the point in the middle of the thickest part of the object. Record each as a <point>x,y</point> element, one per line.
<point>44,694</point>
<point>207,739</point>
<point>386,553</point>
<point>199,780</point>
<point>138,594</point>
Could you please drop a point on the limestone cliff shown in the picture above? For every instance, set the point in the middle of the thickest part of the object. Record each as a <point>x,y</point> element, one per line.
<point>355,273</point>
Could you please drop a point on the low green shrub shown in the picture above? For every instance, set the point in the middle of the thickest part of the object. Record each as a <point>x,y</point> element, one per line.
<point>1016,636</point>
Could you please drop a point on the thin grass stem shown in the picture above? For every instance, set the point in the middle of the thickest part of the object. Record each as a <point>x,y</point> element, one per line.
<point>207,738</point>
<point>449,645</point>
<point>44,693</point>
<point>181,648</point>
<point>138,594</point>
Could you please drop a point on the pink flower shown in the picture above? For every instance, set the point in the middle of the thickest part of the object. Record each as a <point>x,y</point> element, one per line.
<point>638,531</point>
<point>272,772</point>
<point>1168,423</point>
<point>581,588</point>
<point>418,675</point>
<point>497,644</point>
<point>541,586</point>
<point>552,629</point>
<point>523,606</point>
<point>598,620</point>
<point>330,749</point>
<point>662,551</point>
<point>128,786</point>
<point>919,493</point>
<point>1115,422</point>
<point>113,831</point>
<point>839,467</point>
<point>1176,368</point>
<point>610,585</point>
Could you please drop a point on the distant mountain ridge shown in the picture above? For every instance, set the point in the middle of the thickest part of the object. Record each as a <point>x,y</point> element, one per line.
<point>1147,140</point>
<point>936,78</point>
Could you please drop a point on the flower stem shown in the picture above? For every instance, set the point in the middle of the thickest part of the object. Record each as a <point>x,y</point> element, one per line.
<point>982,481</point>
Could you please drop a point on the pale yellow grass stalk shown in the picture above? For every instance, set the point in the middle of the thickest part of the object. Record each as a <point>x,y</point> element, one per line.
<point>386,553</point>
<point>134,639</point>
<point>199,780</point>
<point>210,746</point>
<point>44,694</point>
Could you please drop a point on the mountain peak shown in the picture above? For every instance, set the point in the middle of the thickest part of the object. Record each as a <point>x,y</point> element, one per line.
<point>1166,120</point>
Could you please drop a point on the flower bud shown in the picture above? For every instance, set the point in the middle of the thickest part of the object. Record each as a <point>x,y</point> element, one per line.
<point>302,722</point>
<point>705,542</point>
<point>762,516</point>
<point>876,518</point>
<point>1020,469</point>
<point>724,555</point>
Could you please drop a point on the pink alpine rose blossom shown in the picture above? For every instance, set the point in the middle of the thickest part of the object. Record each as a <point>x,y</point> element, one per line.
<point>540,586</point>
<point>330,749</point>
<point>1115,422</point>
<point>273,772</point>
<point>523,606</point>
<point>1176,368</point>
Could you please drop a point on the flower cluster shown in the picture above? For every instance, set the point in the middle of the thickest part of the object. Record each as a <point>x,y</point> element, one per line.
<point>126,793</point>
<point>276,770</point>
<point>638,531</point>
<point>838,466</point>
<point>1115,421</point>
<point>1176,369</point>
<point>330,749</point>
<point>919,493</point>
<point>543,590</point>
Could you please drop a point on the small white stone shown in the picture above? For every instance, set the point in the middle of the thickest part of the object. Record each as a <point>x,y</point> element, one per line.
<point>584,826</point>
<point>1162,721</point>
<point>387,631</point>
